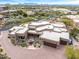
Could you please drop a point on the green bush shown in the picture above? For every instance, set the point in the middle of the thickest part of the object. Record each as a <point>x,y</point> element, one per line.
<point>4,56</point>
<point>1,50</point>
<point>71,52</point>
<point>74,32</point>
<point>67,21</point>
<point>38,44</point>
<point>13,41</point>
<point>24,44</point>
<point>77,53</point>
<point>21,43</point>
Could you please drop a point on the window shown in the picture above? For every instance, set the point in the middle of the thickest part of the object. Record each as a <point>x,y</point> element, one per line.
<point>21,37</point>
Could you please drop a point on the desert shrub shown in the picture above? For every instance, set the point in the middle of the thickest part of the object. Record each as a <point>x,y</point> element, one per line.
<point>70,53</point>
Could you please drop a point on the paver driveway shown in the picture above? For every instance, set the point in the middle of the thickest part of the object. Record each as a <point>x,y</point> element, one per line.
<point>16,52</point>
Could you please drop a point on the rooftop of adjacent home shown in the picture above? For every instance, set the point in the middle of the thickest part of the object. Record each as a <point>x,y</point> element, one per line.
<point>75,18</point>
<point>2,6</point>
<point>5,11</point>
<point>61,9</point>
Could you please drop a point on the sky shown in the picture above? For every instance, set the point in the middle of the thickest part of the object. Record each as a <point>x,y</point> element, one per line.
<point>59,2</point>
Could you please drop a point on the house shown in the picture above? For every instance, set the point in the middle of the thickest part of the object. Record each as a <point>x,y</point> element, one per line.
<point>6,13</point>
<point>75,19</point>
<point>2,8</point>
<point>52,34</point>
<point>62,10</point>
<point>1,17</point>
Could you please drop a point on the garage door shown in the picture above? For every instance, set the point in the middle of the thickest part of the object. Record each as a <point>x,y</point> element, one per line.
<point>50,44</point>
<point>63,42</point>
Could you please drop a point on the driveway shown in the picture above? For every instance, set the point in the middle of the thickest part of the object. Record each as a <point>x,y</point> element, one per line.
<point>16,52</point>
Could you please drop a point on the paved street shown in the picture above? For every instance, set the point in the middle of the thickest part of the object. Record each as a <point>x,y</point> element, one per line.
<point>75,43</point>
<point>16,52</point>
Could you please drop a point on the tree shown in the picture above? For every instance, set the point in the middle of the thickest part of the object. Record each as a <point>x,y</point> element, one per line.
<point>74,32</point>
<point>25,15</point>
<point>67,21</point>
<point>19,12</point>
<point>25,20</point>
<point>3,55</point>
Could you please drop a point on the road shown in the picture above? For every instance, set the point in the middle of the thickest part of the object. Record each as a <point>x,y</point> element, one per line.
<point>16,52</point>
<point>75,43</point>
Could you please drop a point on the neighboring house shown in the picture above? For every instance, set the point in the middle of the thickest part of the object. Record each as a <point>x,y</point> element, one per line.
<point>4,14</point>
<point>65,11</point>
<point>52,34</point>
<point>1,17</point>
<point>75,19</point>
<point>73,12</point>
<point>2,8</point>
<point>7,13</point>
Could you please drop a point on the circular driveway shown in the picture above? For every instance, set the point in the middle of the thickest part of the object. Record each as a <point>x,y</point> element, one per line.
<point>16,52</point>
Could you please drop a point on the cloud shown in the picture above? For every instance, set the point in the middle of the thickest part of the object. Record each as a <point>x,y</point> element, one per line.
<point>75,2</point>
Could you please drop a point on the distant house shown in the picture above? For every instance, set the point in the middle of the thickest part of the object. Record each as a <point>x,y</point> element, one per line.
<point>2,8</point>
<point>30,13</point>
<point>6,13</point>
<point>75,19</point>
<point>1,17</point>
